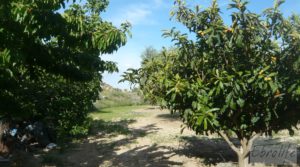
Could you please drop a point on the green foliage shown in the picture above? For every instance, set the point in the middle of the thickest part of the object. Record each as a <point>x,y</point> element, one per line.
<point>113,97</point>
<point>149,75</point>
<point>242,77</point>
<point>50,67</point>
<point>149,54</point>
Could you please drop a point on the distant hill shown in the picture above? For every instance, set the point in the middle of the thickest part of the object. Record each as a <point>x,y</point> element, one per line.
<point>111,97</point>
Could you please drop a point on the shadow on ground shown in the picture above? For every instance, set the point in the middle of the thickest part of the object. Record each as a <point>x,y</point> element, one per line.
<point>100,127</point>
<point>169,117</point>
<point>106,143</point>
<point>212,151</point>
<point>216,150</point>
<point>99,150</point>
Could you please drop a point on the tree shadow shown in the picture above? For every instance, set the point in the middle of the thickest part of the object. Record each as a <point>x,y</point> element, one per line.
<point>89,151</point>
<point>298,155</point>
<point>103,150</point>
<point>170,117</point>
<point>101,127</point>
<point>112,143</point>
<point>21,158</point>
<point>152,107</point>
<point>212,151</point>
<point>216,150</point>
<point>153,155</point>
<point>148,155</point>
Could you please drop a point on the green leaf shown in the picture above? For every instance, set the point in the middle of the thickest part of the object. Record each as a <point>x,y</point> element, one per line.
<point>221,85</point>
<point>232,105</point>
<point>244,126</point>
<point>213,109</point>
<point>241,102</point>
<point>200,119</point>
<point>237,87</point>
<point>228,98</point>
<point>254,119</point>
<point>274,87</point>
<point>251,80</point>
<point>205,124</point>
<point>272,74</point>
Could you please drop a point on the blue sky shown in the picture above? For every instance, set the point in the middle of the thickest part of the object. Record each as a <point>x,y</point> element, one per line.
<point>149,18</point>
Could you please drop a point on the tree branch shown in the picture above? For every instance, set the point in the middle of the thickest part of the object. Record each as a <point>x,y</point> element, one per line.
<point>226,138</point>
<point>253,138</point>
<point>250,143</point>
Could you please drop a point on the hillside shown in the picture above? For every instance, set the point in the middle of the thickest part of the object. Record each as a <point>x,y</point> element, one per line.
<point>110,97</point>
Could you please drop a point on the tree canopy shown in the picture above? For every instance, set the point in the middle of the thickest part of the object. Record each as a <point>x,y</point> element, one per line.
<point>50,65</point>
<point>238,78</point>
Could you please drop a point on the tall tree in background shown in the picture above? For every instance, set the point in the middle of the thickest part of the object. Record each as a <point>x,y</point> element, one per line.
<point>50,67</point>
<point>240,79</point>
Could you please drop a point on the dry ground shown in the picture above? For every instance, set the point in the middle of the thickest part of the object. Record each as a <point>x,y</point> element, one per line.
<point>151,138</point>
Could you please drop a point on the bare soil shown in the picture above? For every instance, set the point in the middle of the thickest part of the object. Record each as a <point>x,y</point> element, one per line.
<point>150,140</point>
<point>154,140</point>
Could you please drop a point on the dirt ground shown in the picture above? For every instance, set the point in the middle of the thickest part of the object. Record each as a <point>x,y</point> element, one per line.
<point>152,139</point>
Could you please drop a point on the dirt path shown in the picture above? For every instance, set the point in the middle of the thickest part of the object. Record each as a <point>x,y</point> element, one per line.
<point>153,140</point>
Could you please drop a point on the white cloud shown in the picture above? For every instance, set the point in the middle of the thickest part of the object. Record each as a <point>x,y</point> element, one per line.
<point>163,4</point>
<point>135,14</point>
<point>138,15</point>
<point>158,3</point>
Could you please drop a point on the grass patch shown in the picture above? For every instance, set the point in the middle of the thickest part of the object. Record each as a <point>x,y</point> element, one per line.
<point>114,120</point>
<point>116,113</point>
<point>109,127</point>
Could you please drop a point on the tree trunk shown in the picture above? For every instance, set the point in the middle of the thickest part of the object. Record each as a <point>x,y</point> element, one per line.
<point>5,143</point>
<point>243,154</point>
<point>243,160</point>
<point>244,150</point>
